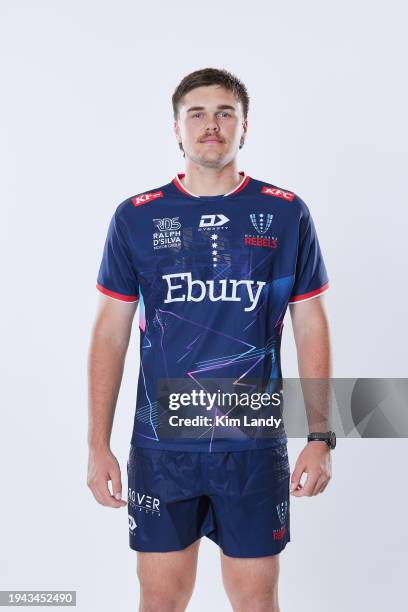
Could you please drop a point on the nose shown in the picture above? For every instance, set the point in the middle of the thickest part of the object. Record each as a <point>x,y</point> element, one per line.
<point>212,125</point>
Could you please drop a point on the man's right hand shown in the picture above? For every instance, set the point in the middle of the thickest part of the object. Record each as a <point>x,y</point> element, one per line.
<point>102,467</point>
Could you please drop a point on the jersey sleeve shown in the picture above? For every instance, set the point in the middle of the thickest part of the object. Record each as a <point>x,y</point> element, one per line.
<point>117,277</point>
<point>311,279</point>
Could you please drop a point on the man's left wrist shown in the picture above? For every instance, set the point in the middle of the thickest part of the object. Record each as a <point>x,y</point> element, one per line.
<point>328,437</point>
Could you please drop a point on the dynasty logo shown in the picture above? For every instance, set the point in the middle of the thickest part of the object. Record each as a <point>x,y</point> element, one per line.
<point>169,234</point>
<point>210,221</point>
<point>132,522</point>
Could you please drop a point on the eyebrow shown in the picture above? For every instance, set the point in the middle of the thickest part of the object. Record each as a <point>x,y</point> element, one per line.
<point>219,106</point>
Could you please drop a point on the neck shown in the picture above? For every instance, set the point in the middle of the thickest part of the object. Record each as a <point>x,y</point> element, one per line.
<point>204,181</point>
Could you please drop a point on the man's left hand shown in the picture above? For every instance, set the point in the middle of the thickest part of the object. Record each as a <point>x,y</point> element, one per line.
<point>315,460</point>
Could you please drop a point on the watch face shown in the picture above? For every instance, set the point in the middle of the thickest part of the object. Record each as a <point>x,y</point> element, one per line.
<point>332,439</point>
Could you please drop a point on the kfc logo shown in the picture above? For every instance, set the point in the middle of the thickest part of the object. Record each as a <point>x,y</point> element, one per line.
<point>146,197</point>
<point>278,193</point>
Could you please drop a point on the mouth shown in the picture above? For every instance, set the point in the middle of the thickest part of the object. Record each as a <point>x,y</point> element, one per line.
<point>212,140</point>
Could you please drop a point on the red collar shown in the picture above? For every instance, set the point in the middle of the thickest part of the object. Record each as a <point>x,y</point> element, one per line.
<point>243,183</point>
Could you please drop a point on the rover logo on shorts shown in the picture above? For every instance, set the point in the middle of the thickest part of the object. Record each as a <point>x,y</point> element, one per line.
<point>143,198</point>
<point>169,234</point>
<point>132,523</point>
<point>142,501</point>
<point>278,193</point>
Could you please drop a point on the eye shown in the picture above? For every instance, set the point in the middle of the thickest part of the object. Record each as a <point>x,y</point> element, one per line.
<point>197,114</point>
<point>224,113</point>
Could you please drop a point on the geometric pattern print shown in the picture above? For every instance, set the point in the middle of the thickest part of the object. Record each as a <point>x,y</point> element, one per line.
<point>260,228</point>
<point>282,510</point>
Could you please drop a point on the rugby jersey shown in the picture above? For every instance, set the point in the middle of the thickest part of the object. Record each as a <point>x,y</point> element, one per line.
<point>212,277</point>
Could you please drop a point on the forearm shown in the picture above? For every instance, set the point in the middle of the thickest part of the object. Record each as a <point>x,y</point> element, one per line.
<point>105,370</point>
<point>314,362</point>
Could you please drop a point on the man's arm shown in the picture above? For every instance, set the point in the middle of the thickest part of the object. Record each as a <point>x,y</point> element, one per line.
<point>311,332</point>
<point>107,352</point>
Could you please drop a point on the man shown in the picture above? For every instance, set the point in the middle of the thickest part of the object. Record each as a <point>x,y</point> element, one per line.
<point>213,258</point>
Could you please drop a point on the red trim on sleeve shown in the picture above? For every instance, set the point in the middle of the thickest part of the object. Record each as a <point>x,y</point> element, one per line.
<point>310,294</point>
<point>117,296</point>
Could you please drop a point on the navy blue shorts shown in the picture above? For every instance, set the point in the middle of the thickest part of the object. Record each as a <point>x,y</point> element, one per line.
<point>238,499</point>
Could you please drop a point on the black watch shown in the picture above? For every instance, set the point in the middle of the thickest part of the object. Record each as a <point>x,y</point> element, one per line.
<point>328,436</point>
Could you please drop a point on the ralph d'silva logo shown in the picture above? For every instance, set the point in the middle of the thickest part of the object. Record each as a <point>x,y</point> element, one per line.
<point>168,234</point>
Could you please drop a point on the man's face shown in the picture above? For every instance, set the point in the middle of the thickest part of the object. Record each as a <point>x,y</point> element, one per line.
<point>210,125</point>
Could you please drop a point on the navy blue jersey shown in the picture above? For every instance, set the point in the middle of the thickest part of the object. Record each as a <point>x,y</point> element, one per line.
<point>213,276</point>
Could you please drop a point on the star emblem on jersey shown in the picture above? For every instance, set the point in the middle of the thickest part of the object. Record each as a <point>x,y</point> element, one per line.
<point>209,223</point>
<point>214,251</point>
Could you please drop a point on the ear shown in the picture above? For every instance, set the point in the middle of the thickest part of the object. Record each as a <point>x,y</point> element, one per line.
<point>245,125</point>
<point>176,129</point>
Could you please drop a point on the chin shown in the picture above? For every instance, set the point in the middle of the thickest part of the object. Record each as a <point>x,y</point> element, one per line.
<point>212,161</point>
<point>213,155</point>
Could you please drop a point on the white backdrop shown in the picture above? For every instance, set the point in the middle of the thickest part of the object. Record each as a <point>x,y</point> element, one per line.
<point>86,122</point>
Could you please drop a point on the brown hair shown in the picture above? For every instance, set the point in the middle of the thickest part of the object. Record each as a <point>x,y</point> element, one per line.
<point>211,76</point>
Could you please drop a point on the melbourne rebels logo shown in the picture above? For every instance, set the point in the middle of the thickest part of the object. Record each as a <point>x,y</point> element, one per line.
<point>261,223</point>
<point>169,234</point>
<point>282,511</point>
